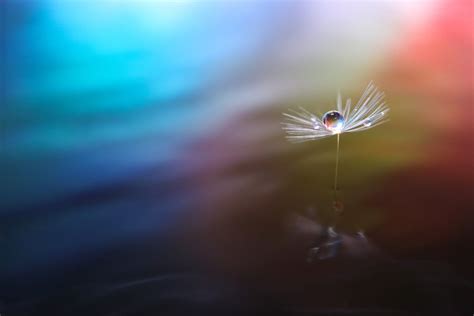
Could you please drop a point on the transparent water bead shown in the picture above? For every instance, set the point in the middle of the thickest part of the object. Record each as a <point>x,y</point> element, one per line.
<point>367,123</point>
<point>338,207</point>
<point>333,121</point>
<point>315,123</point>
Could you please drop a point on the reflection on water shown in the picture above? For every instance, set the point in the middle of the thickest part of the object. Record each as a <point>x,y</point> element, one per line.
<point>146,172</point>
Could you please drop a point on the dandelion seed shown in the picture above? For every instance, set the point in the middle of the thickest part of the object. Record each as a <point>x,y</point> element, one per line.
<point>370,111</point>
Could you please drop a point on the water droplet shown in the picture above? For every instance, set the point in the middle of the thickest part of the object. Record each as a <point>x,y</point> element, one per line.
<point>333,121</point>
<point>382,113</point>
<point>315,123</point>
<point>367,123</point>
<point>338,207</point>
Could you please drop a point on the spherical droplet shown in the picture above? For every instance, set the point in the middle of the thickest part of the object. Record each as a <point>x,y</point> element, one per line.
<point>338,207</point>
<point>367,123</point>
<point>333,121</point>
<point>315,123</point>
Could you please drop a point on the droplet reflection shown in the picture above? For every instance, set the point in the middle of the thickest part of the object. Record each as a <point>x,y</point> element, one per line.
<point>333,121</point>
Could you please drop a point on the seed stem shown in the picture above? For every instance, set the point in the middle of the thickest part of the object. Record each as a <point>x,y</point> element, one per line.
<point>337,168</point>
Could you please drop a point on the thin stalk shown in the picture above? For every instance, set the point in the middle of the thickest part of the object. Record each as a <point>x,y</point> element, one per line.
<point>337,168</point>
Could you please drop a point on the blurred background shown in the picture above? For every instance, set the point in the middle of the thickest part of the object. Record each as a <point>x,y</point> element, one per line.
<point>145,172</point>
